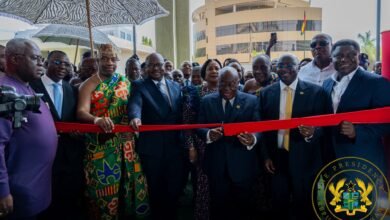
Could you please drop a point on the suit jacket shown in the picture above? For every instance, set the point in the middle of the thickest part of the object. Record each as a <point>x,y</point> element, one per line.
<point>304,157</point>
<point>148,104</point>
<point>70,151</point>
<point>365,91</point>
<point>228,155</point>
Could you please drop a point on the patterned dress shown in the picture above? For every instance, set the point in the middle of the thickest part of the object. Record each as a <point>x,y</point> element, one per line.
<point>191,104</point>
<point>115,183</point>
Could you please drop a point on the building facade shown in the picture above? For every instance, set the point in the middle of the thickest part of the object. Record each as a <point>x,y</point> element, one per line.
<point>241,29</point>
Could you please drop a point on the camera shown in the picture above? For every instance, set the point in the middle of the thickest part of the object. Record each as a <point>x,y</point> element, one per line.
<point>12,104</point>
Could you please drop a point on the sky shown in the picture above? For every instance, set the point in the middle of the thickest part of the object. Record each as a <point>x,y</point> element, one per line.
<point>345,18</point>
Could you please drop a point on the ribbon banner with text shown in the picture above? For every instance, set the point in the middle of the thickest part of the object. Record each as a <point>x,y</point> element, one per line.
<point>373,116</point>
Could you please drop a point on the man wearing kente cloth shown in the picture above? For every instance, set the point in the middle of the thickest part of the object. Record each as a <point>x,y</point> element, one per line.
<point>115,184</point>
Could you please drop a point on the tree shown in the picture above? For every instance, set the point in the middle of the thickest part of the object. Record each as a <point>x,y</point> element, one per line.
<point>367,45</point>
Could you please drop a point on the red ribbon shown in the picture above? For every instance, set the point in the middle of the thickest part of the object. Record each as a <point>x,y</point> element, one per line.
<point>373,116</point>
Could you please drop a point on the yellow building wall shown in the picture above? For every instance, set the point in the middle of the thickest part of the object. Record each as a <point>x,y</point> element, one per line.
<point>295,12</point>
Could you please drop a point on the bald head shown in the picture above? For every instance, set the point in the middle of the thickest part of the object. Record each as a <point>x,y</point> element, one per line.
<point>228,81</point>
<point>154,66</point>
<point>18,46</point>
<point>23,60</point>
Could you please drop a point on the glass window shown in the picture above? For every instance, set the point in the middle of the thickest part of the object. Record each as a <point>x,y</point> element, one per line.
<point>226,30</point>
<point>123,35</point>
<point>242,28</point>
<point>200,52</point>
<point>224,10</point>
<point>201,35</point>
<point>268,26</point>
<point>128,37</point>
<point>233,48</point>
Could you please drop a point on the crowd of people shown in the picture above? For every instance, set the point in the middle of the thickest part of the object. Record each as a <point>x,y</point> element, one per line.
<point>45,174</point>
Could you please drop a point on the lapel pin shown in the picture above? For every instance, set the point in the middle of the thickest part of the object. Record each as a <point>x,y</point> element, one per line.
<point>301,93</point>
<point>238,106</point>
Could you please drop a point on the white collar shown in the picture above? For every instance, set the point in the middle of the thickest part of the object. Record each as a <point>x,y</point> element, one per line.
<point>292,86</point>
<point>162,81</point>
<point>349,76</point>
<point>46,80</point>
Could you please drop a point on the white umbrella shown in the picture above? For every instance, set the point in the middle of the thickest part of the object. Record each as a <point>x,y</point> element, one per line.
<point>67,34</point>
<point>83,13</point>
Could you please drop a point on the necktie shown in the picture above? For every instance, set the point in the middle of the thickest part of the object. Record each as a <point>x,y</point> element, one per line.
<point>57,95</point>
<point>228,109</point>
<point>286,136</point>
<point>165,96</point>
<point>187,82</point>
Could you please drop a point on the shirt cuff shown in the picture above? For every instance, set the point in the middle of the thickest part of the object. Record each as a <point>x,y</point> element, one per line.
<point>208,140</point>
<point>4,188</point>
<point>254,143</point>
<point>308,139</point>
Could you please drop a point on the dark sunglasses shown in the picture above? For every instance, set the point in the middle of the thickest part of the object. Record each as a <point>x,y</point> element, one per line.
<point>59,62</point>
<point>321,43</point>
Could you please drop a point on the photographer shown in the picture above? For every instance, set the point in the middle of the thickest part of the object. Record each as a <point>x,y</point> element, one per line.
<point>26,153</point>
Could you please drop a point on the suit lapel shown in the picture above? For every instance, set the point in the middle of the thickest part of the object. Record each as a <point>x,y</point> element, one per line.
<point>67,99</point>
<point>353,86</point>
<point>299,99</point>
<point>173,94</point>
<point>219,113</point>
<point>46,98</point>
<point>275,101</point>
<point>237,107</point>
<point>156,98</point>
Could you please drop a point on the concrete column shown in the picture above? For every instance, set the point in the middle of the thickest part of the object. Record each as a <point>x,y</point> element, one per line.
<point>173,31</point>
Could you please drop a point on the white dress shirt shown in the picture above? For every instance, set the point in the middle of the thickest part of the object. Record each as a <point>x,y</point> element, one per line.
<point>164,88</point>
<point>340,87</point>
<point>312,73</point>
<point>282,108</point>
<point>223,107</point>
<point>48,83</point>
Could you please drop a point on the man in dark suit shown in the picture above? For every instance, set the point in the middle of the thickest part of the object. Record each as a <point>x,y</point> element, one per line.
<point>293,157</point>
<point>156,100</point>
<point>230,162</point>
<point>353,89</point>
<point>61,99</point>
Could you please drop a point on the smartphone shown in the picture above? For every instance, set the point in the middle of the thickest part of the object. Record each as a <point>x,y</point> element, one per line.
<point>274,37</point>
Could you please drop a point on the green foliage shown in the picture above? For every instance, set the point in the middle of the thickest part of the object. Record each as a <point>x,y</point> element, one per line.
<point>367,45</point>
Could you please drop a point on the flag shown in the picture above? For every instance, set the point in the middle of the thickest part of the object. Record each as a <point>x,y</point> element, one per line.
<point>303,28</point>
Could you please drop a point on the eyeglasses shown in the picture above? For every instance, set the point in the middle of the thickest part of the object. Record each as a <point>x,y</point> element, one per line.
<point>285,66</point>
<point>59,63</point>
<point>321,43</point>
<point>112,59</point>
<point>231,85</point>
<point>159,65</point>
<point>35,58</point>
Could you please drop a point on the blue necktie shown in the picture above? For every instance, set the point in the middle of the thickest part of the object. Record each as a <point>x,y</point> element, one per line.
<point>159,85</point>
<point>57,95</point>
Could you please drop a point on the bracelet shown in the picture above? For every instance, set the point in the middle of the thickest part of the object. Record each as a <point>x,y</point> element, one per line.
<point>96,119</point>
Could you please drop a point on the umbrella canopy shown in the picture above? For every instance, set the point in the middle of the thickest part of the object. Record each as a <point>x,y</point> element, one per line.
<point>71,35</point>
<point>74,12</point>
<point>83,13</point>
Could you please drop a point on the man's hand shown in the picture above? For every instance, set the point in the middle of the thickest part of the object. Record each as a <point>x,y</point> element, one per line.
<point>269,166</point>
<point>216,134</point>
<point>135,123</point>
<point>6,205</point>
<point>306,131</point>
<point>347,129</point>
<point>192,154</point>
<point>105,123</point>
<point>246,139</point>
